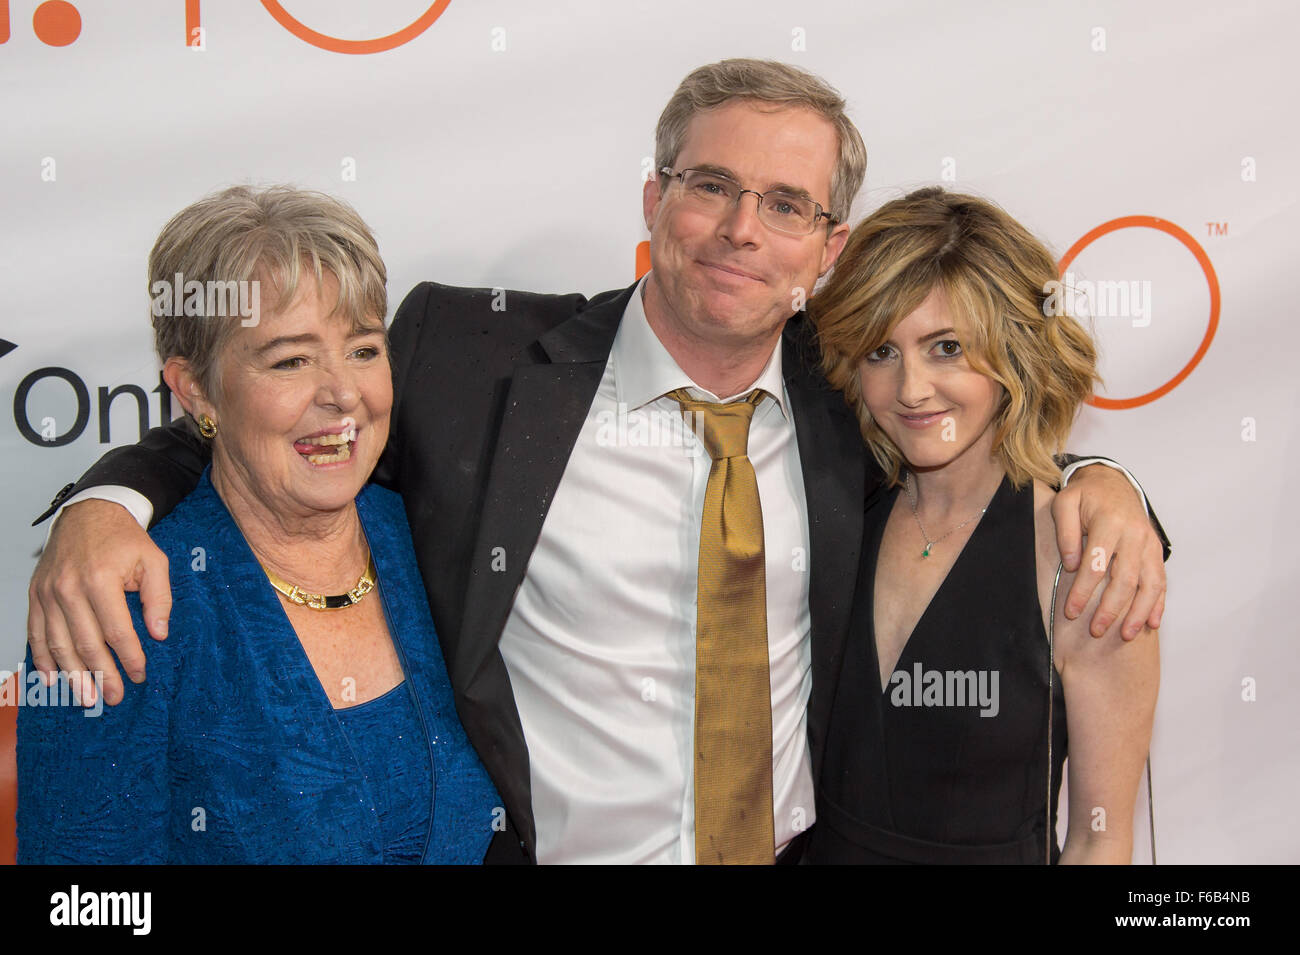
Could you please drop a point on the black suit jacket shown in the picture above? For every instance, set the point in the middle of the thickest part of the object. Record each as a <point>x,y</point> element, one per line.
<point>489,404</point>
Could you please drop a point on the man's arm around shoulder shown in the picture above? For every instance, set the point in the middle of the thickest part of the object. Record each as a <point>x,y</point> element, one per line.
<point>98,550</point>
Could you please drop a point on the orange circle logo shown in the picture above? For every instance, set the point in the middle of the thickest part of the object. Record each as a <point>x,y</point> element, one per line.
<point>1162,225</point>
<point>56,23</point>
<point>334,45</point>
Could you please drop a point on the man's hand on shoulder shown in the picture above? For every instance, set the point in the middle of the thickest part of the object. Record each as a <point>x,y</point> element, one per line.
<point>1100,503</point>
<point>77,604</point>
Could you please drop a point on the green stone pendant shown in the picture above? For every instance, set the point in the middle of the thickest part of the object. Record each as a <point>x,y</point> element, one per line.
<point>926,552</point>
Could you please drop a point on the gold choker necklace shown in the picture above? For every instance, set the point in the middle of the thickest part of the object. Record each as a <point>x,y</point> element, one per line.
<point>325,601</point>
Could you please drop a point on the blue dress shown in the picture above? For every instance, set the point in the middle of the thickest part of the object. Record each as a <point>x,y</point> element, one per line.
<point>231,751</point>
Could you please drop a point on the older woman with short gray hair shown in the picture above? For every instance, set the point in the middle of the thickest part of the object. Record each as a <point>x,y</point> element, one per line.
<point>300,710</point>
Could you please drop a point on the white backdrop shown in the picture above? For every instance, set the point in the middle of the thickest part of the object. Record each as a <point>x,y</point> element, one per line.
<point>504,145</point>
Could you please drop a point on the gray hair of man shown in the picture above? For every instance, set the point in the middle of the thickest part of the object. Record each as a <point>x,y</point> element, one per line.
<point>271,236</point>
<point>780,85</point>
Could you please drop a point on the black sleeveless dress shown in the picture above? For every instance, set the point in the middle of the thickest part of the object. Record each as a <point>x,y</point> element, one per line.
<point>949,763</point>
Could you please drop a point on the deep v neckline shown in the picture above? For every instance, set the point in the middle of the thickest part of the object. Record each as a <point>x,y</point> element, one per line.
<point>980,527</point>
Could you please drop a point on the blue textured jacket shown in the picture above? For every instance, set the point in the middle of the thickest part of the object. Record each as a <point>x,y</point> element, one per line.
<point>231,752</point>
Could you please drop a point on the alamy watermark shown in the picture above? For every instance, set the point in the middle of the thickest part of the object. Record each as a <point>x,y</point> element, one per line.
<point>30,690</point>
<point>211,299</point>
<point>922,687</point>
<point>647,428</point>
<point>1081,298</point>
<point>76,907</point>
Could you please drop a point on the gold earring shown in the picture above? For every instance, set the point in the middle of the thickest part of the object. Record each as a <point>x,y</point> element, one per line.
<point>207,427</point>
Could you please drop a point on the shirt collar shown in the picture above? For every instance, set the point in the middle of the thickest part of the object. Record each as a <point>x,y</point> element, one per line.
<point>644,371</point>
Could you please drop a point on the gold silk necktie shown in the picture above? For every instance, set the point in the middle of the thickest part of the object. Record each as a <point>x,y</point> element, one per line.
<point>733,696</point>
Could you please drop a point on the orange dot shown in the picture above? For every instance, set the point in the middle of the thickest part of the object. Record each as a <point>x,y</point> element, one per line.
<point>56,23</point>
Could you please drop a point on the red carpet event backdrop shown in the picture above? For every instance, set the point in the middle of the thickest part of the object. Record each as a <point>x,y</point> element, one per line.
<point>504,144</point>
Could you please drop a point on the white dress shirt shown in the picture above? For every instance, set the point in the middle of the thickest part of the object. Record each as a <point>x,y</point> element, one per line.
<point>600,642</point>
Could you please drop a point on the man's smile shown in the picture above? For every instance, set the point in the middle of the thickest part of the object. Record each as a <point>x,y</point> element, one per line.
<point>730,270</point>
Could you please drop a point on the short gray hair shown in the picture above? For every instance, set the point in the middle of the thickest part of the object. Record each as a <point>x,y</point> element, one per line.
<point>765,81</point>
<point>270,235</point>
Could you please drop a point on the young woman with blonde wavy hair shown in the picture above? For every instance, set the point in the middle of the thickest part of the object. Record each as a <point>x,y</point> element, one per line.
<point>962,678</point>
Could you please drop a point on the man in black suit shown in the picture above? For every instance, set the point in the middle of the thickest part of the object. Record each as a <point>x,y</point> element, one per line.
<point>555,494</point>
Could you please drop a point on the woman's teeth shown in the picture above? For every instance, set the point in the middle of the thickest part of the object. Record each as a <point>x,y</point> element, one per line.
<point>340,445</point>
<point>343,437</point>
<point>342,454</point>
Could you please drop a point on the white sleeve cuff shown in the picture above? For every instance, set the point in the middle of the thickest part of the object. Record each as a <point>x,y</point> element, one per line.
<point>133,501</point>
<point>1084,462</point>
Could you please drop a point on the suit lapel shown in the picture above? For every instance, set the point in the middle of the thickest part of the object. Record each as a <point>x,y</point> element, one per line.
<point>832,457</point>
<point>545,406</point>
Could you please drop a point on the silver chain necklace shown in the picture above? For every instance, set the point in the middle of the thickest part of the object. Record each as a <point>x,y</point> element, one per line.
<point>907,485</point>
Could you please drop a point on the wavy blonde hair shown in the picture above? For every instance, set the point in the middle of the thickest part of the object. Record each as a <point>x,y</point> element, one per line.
<point>997,278</point>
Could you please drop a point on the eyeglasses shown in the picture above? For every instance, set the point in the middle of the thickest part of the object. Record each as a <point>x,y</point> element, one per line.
<point>779,211</point>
